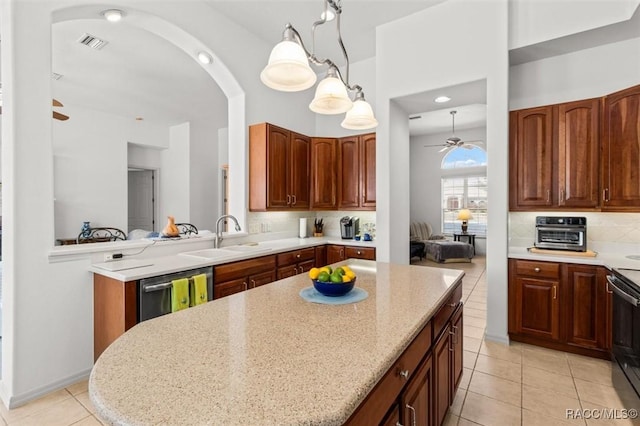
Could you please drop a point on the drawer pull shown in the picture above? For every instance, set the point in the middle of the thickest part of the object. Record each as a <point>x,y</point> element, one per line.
<point>536,269</point>
<point>404,374</point>
<point>555,292</point>
<point>359,252</point>
<point>548,196</point>
<point>413,415</point>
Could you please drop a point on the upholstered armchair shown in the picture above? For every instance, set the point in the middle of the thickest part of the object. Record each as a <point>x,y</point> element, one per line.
<point>422,231</point>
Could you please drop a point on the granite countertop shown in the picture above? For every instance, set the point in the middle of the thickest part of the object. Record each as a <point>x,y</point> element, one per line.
<point>266,356</point>
<point>609,259</point>
<point>179,262</point>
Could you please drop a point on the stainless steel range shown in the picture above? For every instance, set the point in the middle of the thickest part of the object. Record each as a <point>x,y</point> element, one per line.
<point>561,233</point>
<point>625,286</point>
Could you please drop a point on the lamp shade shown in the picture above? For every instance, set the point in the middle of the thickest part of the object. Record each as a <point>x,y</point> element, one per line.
<point>331,96</point>
<point>288,69</point>
<point>360,117</point>
<point>464,214</point>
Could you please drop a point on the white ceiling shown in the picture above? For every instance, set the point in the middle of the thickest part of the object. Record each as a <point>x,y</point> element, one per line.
<point>138,74</point>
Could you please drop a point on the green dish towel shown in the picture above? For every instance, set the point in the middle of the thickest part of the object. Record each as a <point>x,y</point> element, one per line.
<point>198,290</point>
<point>180,294</point>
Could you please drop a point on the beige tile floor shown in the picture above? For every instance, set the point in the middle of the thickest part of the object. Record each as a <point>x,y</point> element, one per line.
<point>501,385</point>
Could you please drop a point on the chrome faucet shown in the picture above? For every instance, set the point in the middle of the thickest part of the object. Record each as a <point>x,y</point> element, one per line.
<point>218,240</point>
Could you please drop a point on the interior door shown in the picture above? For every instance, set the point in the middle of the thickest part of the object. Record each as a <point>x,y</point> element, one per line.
<point>141,203</point>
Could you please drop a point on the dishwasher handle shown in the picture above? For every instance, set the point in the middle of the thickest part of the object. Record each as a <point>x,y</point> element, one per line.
<point>156,287</point>
<point>617,290</point>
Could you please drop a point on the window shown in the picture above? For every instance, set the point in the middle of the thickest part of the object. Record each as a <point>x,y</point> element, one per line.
<point>464,185</point>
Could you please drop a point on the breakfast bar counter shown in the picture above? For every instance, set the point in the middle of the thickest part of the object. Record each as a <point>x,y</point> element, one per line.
<point>267,356</point>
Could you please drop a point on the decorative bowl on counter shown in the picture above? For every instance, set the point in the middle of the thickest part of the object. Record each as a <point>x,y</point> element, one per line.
<point>333,289</point>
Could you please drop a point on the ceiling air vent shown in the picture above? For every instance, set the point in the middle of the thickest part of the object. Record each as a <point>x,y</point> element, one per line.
<point>92,41</point>
<point>415,117</point>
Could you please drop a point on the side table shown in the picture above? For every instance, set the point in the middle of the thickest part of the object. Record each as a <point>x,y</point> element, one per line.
<point>471,238</point>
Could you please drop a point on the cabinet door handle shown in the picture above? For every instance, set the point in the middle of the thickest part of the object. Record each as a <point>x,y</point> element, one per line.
<point>605,194</point>
<point>562,195</point>
<point>253,283</point>
<point>548,195</point>
<point>288,199</point>
<point>301,269</point>
<point>359,252</point>
<point>555,292</point>
<point>536,269</point>
<point>454,332</point>
<point>404,374</point>
<point>608,289</point>
<point>298,255</point>
<point>398,424</point>
<point>244,283</point>
<point>293,203</point>
<point>413,415</point>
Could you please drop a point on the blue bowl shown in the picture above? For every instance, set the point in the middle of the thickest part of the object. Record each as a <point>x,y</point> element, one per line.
<point>333,289</point>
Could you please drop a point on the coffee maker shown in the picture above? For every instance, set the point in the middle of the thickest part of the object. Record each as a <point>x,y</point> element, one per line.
<point>349,227</point>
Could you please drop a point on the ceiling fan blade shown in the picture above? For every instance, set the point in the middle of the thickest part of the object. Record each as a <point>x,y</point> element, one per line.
<point>478,142</point>
<point>445,148</point>
<point>56,103</point>
<point>466,146</point>
<point>59,116</point>
<point>432,146</point>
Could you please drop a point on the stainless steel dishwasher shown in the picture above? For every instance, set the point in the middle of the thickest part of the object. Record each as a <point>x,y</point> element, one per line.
<point>154,293</point>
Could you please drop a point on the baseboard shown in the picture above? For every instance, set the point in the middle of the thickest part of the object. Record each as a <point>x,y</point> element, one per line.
<point>18,400</point>
<point>504,339</point>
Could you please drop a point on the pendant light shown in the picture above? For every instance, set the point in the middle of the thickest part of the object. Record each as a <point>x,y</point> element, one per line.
<point>360,117</point>
<point>331,95</point>
<point>288,70</point>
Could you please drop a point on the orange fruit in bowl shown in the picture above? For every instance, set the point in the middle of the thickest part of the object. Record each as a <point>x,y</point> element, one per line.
<point>313,273</point>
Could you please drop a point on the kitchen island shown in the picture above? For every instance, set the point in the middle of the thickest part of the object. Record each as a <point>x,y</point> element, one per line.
<point>266,356</point>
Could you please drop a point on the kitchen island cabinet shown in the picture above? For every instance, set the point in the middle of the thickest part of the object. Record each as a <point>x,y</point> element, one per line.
<point>266,356</point>
<point>240,276</point>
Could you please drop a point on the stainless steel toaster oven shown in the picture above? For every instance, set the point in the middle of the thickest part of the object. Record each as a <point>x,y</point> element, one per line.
<point>561,233</point>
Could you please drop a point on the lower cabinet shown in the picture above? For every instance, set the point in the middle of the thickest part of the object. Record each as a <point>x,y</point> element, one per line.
<point>295,262</point>
<point>337,253</point>
<point>420,386</point>
<point>240,276</point>
<point>562,306</point>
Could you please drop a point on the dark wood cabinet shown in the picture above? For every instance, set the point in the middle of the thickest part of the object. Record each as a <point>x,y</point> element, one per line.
<point>239,276</point>
<point>337,253</point>
<point>586,306</point>
<point>417,398</point>
<point>531,151</point>
<point>357,172</point>
<point>447,362</point>
<point>279,169</point>
<point>554,154</point>
<point>560,306</point>
<point>457,353</point>
<point>621,150</point>
<point>295,262</point>
<point>578,153</point>
<point>324,173</point>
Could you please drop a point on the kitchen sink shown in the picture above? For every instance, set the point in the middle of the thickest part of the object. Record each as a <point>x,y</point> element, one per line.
<point>211,254</point>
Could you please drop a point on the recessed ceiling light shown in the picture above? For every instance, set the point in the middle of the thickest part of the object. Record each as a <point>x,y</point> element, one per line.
<point>330,16</point>
<point>113,15</point>
<point>442,99</point>
<point>205,58</point>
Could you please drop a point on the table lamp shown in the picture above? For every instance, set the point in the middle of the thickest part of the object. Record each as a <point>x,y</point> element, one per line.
<point>464,215</point>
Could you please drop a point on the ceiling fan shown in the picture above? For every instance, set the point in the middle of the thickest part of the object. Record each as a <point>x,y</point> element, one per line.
<point>56,114</point>
<point>454,141</point>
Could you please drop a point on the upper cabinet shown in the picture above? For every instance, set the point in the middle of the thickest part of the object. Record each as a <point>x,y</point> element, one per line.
<point>554,156</point>
<point>279,169</point>
<point>357,173</point>
<point>621,151</point>
<point>289,171</point>
<point>324,175</point>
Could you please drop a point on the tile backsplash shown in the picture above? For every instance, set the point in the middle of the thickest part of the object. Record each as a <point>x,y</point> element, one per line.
<point>265,225</point>
<point>621,228</point>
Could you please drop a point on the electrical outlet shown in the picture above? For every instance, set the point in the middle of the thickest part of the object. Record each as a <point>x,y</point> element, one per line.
<point>108,257</point>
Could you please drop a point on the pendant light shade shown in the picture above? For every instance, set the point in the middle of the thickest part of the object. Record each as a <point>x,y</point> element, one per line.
<point>360,117</point>
<point>288,69</point>
<point>331,95</point>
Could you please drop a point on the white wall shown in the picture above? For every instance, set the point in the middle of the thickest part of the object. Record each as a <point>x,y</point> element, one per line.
<point>410,57</point>
<point>175,182</point>
<point>90,153</point>
<point>583,74</point>
<point>536,21</point>
<point>47,323</point>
